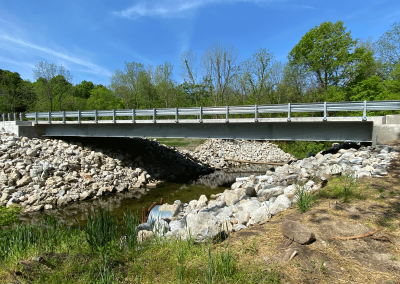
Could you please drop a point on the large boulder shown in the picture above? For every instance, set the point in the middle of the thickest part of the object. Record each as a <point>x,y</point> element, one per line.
<point>230,196</point>
<point>281,203</point>
<point>297,232</point>
<point>260,215</point>
<point>271,192</point>
<point>202,225</point>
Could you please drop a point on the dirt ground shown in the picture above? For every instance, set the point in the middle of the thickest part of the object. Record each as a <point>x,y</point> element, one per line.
<point>372,259</point>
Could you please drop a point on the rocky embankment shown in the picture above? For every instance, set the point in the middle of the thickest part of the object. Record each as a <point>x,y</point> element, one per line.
<point>43,174</point>
<point>254,200</point>
<point>216,152</point>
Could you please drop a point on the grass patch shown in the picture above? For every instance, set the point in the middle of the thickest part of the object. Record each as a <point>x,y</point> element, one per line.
<point>301,149</point>
<point>344,187</point>
<point>105,251</point>
<point>8,216</point>
<point>304,199</point>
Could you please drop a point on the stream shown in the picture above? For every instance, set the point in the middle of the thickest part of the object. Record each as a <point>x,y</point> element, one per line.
<point>213,183</point>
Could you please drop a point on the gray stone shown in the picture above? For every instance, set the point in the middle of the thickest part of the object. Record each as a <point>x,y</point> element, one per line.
<point>144,235</point>
<point>202,225</point>
<point>33,208</point>
<point>60,193</point>
<point>64,200</point>
<point>272,192</point>
<point>334,169</point>
<point>260,215</point>
<point>239,227</point>
<point>177,224</point>
<point>281,203</point>
<point>297,232</point>
<point>25,180</point>
<point>230,196</point>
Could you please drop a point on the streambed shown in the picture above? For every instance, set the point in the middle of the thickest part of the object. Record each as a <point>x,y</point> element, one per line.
<point>213,183</point>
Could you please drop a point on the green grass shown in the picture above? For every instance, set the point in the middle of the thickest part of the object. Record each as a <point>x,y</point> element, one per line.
<point>96,253</point>
<point>304,199</point>
<point>301,149</point>
<point>9,215</point>
<point>343,187</point>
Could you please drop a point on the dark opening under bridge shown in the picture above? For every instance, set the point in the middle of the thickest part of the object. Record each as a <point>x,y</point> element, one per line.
<point>206,122</point>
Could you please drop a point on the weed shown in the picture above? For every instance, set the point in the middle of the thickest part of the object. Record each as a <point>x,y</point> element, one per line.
<point>304,199</point>
<point>393,258</point>
<point>225,265</point>
<point>209,273</point>
<point>323,268</point>
<point>253,250</point>
<point>180,267</point>
<point>313,262</point>
<point>101,231</point>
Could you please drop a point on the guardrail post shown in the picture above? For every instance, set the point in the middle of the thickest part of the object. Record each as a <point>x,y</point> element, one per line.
<point>15,116</point>
<point>63,117</point>
<point>113,115</point>
<point>95,116</point>
<point>325,119</point>
<point>8,116</point>
<point>133,116</point>
<point>227,114</point>
<point>255,113</point>
<point>365,112</point>
<point>154,115</point>
<point>20,116</point>
<point>4,117</point>
<point>49,117</point>
<point>79,116</point>
<point>201,115</point>
<point>176,115</point>
<point>36,118</point>
<point>288,113</point>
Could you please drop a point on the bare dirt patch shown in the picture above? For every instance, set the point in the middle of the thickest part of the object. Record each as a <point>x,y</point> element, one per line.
<point>372,259</point>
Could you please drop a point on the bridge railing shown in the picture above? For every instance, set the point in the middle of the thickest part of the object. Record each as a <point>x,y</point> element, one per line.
<point>199,112</point>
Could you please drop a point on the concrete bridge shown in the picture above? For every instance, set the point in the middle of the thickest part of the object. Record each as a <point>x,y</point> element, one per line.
<point>171,123</point>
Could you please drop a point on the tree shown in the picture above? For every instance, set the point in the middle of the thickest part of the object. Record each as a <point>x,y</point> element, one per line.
<point>189,75</point>
<point>102,98</point>
<point>83,89</point>
<point>44,73</point>
<point>388,47</point>
<point>126,84</point>
<point>165,83</point>
<point>220,65</point>
<point>256,72</point>
<point>329,53</point>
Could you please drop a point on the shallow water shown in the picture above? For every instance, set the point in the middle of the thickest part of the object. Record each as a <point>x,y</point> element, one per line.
<point>217,182</point>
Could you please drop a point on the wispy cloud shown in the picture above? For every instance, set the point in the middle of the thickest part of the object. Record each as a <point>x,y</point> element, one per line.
<point>23,64</point>
<point>88,66</point>
<point>172,8</point>
<point>309,7</point>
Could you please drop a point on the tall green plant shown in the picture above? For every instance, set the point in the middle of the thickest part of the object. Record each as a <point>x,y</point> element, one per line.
<point>101,230</point>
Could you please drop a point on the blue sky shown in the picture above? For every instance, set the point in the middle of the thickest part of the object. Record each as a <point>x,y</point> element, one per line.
<point>94,38</point>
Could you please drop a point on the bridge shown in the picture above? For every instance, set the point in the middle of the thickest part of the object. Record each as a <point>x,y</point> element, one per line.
<point>229,122</point>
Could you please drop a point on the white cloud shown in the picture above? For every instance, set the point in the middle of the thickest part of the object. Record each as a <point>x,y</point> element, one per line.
<point>171,8</point>
<point>23,64</point>
<point>89,67</point>
<point>309,7</point>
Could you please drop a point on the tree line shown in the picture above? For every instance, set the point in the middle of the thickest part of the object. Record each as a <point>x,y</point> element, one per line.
<point>327,64</point>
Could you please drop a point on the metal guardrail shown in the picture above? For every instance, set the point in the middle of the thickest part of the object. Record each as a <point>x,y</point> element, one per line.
<point>221,110</point>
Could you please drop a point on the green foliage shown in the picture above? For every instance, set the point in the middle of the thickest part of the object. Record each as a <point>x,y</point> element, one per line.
<point>325,51</point>
<point>102,98</point>
<point>9,215</point>
<point>101,231</point>
<point>304,199</point>
<point>301,149</point>
<point>345,186</point>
